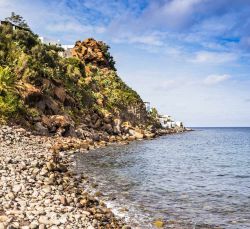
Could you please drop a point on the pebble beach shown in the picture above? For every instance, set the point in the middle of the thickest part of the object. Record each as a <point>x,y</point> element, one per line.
<point>36,192</point>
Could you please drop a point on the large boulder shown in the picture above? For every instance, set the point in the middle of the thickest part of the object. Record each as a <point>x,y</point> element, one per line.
<point>117,126</point>
<point>41,129</point>
<point>136,133</point>
<point>60,124</point>
<point>34,97</point>
<point>108,128</point>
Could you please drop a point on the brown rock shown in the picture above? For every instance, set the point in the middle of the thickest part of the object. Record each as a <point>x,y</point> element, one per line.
<point>131,138</point>
<point>63,201</point>
<point>60,94</point>
<point>98,124</point>
<point>84,145</point>
<point>84,202</point>
<point>112,139</point>
<point>51,166</point>
<point>136,134</point>
<point>41,129</point>
<point>108,128</point>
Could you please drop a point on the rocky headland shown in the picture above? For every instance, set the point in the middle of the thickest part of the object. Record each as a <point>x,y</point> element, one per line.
<point>51,107</point>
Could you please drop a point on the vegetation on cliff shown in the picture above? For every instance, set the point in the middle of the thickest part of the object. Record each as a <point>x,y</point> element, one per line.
<point>36,83</point>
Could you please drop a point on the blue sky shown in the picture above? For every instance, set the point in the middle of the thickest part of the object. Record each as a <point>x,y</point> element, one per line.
<point>189,58</point>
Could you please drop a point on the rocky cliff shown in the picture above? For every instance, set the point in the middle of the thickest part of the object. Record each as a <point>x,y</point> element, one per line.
<point>65,96</point>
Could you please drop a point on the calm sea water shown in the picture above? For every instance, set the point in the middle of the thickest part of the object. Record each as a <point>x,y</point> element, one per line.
<point>199,179</point>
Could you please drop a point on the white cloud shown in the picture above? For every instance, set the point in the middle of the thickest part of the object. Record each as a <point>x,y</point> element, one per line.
<point>214,57</point>
<point>150,39</point>
<point>183,7</point>
<point>175,14</point>
<point>75,27</point>
<point>216,79</point>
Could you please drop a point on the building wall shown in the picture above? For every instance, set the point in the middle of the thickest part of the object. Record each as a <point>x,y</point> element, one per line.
<point>48,41</point>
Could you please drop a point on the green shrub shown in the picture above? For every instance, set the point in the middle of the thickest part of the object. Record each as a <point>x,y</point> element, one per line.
<point>9,100</point>
<point>9,105</point>
<point>7,80</point>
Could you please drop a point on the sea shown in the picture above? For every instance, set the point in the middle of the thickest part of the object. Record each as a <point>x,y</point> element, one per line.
<point>197,179</point>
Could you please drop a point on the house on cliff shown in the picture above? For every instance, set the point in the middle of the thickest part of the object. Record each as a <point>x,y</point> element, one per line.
<point>147,106</point>
<point>14,27</point>
<point>67,48</point>
<point>168,122</point>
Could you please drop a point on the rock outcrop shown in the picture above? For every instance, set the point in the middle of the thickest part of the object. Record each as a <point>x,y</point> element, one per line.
<point>94,52</point>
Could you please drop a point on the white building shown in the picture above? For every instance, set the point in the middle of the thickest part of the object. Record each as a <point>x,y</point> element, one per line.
<point>67,51</point>
<point>179,123</point>
<point>48,41</point>
<point>168,122</point>
<point>147,105</point>
<point>67,48</point>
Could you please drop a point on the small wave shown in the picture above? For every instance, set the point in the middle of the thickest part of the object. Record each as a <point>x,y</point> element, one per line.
<point>242,176</point>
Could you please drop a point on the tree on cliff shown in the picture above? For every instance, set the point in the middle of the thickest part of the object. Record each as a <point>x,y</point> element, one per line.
<point>17,20</point>
<point>110,59</point>
<point>154,113</point>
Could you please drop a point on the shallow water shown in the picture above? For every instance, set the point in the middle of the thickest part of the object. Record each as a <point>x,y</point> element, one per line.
<point>199,179</point>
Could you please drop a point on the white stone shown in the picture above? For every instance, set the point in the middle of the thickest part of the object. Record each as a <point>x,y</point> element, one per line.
<point>17,188</point>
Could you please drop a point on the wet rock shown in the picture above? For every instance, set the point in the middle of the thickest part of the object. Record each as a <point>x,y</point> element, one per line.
<point>126,227</point>
<point>131,138</point>
<point>158,223</point>
<point>150,135</point>
<point>136,134</point>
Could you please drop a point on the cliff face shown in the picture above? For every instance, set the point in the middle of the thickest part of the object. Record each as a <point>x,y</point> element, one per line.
<point>55,95</point>
<point>111,92</point>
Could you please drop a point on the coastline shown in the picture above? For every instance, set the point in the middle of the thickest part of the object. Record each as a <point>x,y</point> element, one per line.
<point>39,187</point>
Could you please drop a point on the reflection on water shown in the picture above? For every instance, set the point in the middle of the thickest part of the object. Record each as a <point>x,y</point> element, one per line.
<point>199,179</point>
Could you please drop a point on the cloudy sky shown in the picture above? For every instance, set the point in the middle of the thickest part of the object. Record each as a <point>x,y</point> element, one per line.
<point>189,58</point>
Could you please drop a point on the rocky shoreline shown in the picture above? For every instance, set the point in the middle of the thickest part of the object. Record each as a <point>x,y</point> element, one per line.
<point>39,187</point>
